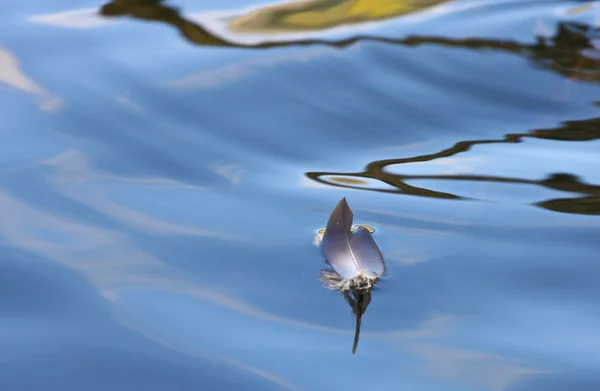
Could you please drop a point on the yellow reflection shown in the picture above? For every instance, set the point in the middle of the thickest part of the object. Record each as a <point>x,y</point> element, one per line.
<point>350,181</point>
<point>322,14</point>
<point>354,228</point>
<point>580,9</point>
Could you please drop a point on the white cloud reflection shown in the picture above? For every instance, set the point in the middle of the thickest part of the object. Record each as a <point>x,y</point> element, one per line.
<point>130,104</point>
<point>71,167</point>
<point>231,172</point>
<point>111,262</point>
<point>479,370</point>
<point>115,264</point>
<point>76,19</point>
<point>216,77</point>
<point>172,342</point>
<point>12,75</point>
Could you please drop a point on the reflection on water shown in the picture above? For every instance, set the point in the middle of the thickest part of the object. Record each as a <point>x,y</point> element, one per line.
<point>571,51</point>
<point>155,11</point>
<point>298,16</point>
<point>12,75</point>
<point>358,301</point>
<point>322,14</point>
<point>583,130</point>
<point>567,53</point>
<point>188,211</point>
<point>472,368</point>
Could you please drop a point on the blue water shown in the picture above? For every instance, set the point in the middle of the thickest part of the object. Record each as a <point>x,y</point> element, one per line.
<point>160,198</point>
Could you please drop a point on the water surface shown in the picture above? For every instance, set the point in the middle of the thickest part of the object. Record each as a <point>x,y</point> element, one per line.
<point>163,176</point>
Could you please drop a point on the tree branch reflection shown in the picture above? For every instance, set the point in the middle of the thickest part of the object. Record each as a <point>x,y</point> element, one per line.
<point>584,130</point>
<point>570,51</point>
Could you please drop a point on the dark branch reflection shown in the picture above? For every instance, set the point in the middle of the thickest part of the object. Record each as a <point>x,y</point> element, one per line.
<point>303,15</point>
<point>569,52</point>
<point>587,203</point>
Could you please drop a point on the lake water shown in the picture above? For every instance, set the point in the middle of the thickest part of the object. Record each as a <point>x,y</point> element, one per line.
<point>163,177</point>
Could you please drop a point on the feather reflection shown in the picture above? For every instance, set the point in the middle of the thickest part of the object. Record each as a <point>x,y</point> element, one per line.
<point>359,301</point>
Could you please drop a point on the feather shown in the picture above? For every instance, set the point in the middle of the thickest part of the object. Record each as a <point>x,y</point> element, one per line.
<point>336,242</point>
<point>355,262</point>
<point>351,256</point>
<point>366,253</point>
